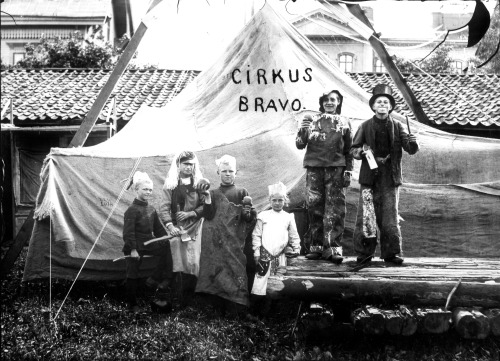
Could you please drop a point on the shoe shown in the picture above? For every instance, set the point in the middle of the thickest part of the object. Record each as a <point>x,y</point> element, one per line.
<point>363,259</point>
<point>337,259</point>
<point>164,285</point>
<point>394,260</point>
<point>151,283</point>
<point>313,256</point>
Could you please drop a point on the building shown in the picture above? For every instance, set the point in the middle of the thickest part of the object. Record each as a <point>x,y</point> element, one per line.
<point>354,54</point>
<point>26,21</point>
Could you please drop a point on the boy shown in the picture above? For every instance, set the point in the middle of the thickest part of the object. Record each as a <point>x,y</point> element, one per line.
<point>230,216</point>
<point>274,237</point>
<point>141,223</point>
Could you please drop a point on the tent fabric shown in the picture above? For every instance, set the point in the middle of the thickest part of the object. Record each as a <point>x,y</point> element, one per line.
<point>223,263</point>
<point>447,206</point>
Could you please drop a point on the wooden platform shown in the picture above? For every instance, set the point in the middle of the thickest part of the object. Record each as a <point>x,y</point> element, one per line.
<point>418,282</point>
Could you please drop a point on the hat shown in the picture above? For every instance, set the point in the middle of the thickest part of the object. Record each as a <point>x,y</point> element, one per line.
<point>323,97</point>
<point>185,156</point>
<point>382,90</point>
<point>140,178</point>
<point>226,159</point>
<point>277,188</point>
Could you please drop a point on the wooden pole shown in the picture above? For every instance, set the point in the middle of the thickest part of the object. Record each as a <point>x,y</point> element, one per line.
<point>122,63</point>
<point>393,71</point>
<point>15,249</point>
<point>427,293</point>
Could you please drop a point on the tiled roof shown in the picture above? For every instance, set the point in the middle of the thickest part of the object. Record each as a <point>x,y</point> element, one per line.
<point>57,8</point>
<point>446,98</point>
<point>64,96</point>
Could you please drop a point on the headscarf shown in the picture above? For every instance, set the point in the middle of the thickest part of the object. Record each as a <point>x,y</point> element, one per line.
<point>173,174</point>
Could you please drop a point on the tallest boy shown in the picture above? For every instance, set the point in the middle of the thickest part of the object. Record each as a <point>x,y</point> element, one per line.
<point>385,138</point>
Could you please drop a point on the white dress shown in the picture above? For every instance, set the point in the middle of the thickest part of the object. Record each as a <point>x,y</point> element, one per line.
<point>274,231</point>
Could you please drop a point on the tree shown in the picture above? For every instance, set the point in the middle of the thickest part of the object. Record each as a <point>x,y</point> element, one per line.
<point>74,52</point>
<point>438,62</point>
<point>489,44</point>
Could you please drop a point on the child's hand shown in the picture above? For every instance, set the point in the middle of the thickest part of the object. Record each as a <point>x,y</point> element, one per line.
<point>246,210</point>
<point>182,216</point>
<point>134,254</point>
<point>174,231</point>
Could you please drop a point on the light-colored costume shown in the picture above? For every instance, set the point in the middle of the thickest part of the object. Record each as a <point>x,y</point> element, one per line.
<point>275,234</point>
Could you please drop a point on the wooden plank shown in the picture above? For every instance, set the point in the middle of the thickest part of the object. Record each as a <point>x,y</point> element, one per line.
<point>21,240</point>
<point>393,71</point>
<point>494,318</point>
<point>387,291</point>
<point>122,63</point>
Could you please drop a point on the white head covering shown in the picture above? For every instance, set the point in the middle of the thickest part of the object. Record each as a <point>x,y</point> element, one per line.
<point>173,174</point>
<point>226,159</point>
<point>139,178</point>
<point>277,188</point>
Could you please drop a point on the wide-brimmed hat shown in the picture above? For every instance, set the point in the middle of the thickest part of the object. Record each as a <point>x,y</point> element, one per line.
<point>382,90</point>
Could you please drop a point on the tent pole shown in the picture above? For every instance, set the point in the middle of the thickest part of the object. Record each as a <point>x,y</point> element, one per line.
<point>393,71</point>
<point>122,63</point>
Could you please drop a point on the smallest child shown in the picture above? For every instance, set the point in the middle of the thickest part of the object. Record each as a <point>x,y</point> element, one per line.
<point>274,238</point>
<point>141,224</point>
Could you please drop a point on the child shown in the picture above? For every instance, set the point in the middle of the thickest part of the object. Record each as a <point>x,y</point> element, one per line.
<point>229,216</point>
<point>274,237</point>
<point>141,224</point>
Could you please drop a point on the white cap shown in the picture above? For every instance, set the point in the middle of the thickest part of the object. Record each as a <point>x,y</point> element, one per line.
<point>226,159</point>
<point>277,188</point>
<point>141,177</point>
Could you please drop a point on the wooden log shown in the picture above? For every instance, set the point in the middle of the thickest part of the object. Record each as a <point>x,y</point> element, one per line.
<point>384,290</point>
<point>410,322</point>
<point>494,319</point>
<point>393,321</point>
<point>369,320</point>
<point>433,320</point>
<point>471,324</point>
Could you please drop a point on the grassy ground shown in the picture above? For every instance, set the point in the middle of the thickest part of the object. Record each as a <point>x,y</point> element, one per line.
<point>94,325</point>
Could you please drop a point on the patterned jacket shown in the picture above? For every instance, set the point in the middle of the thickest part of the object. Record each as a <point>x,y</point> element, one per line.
<point>328,141</point>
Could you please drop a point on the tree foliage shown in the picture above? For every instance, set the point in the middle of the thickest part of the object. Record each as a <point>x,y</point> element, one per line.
<point>74,52</point>
<point>489,43</point>
<point>438,62</point>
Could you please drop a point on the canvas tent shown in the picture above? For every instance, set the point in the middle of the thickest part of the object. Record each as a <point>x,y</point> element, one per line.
<point>248,104</point>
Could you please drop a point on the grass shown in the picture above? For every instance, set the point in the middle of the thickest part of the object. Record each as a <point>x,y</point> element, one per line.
<point>94,324</point>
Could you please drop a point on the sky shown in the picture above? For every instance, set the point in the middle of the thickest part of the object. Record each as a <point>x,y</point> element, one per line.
<point>193,34</point>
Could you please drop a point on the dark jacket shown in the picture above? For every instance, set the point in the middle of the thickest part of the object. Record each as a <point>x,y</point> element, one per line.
<point>330,148</point>
<point>234,195</point>
<point>398,141</point>
<point>141,223</point>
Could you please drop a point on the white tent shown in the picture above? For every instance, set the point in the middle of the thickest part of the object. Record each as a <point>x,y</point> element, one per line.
<point>248,104</point>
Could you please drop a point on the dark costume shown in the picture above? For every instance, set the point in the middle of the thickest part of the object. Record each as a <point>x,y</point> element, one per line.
<point>224,265</point>
<point>141,224</point>
<point>328,141</point>
<point>387,139</point>
<point>185,254</point>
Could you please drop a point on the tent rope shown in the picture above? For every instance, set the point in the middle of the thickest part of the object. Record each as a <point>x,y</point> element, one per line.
<point>124,188</point>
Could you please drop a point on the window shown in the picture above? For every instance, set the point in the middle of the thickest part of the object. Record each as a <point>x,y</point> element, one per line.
<point>346,62</point>
<point>378,67</point>
<point>456,66</point>
<point>17,57</point>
